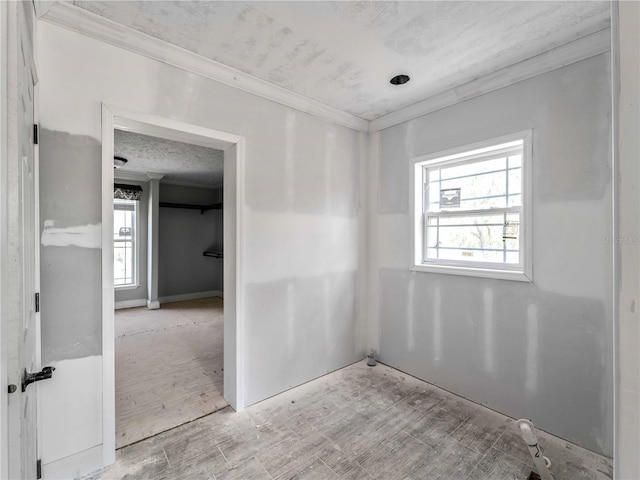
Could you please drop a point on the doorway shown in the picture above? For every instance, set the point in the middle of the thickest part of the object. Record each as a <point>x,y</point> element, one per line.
<point>233,157</point>
<point>168,280</point>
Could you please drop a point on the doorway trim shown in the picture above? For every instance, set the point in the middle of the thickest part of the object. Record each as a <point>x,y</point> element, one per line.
<point>4,224</point>
<point>234,159</point>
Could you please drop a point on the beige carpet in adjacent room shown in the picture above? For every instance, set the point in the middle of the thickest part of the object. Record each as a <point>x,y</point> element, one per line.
<point>168,366</point>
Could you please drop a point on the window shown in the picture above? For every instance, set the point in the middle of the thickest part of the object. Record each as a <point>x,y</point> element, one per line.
<point>473,210</point>
<point>124,242</point>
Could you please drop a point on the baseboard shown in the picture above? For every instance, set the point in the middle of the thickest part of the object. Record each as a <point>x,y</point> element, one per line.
<point>75,466</point>
<point>153,305</point>
<point>139,302</point>
<point>142,302</point>
<point>191,296</point>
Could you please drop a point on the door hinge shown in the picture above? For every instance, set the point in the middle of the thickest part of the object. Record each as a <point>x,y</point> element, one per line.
<point>35,134</point>
<point>39,469</point>
<point>37,302</point>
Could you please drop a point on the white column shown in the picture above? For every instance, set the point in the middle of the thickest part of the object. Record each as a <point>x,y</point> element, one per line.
<point>152,239</point>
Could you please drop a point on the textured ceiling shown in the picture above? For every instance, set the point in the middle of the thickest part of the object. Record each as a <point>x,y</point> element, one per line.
<point>344,53</point>
<point>177,161</point>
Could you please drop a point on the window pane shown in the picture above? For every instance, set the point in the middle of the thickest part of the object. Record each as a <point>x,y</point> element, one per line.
<point>469,220</point>
<point>477,238</point>
<point>124,238</point>
<point>473,168</point>
<point>123,263</point>
<point>473,237</point>
<point>515,161</point>
<point>515,180</point>
<point>482,185</point>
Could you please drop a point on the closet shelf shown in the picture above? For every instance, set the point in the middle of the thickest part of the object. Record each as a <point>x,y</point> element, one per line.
<point>212,254</point>
<point>202,208</point>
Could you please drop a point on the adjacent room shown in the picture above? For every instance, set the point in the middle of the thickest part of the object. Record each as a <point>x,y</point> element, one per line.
<point>168,280</point>
<point>359,240</point>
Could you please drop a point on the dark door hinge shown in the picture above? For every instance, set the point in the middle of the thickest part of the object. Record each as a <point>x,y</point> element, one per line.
<point>35,134</point>
<point>39,469</point>
<point>37,302</point>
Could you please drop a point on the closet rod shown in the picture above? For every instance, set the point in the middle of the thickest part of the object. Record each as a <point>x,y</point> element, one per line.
<point>202,208</point>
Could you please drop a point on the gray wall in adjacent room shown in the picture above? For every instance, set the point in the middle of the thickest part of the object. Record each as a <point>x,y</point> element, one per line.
<point>540,350</point>
<point>183,235</point>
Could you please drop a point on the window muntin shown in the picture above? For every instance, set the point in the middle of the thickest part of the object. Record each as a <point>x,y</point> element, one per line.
<point>471,210</point>
<point>124,242</point>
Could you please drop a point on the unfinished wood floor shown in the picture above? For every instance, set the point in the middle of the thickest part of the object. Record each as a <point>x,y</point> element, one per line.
<point>168,367</point>
<point>359,423</point>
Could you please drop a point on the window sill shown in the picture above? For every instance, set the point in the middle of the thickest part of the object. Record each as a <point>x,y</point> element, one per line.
<point>474,272</point>
<point>125,287</point>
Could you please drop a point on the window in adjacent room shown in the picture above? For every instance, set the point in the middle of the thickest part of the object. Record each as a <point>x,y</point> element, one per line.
<point>124,242</point>
<point>473,210</point>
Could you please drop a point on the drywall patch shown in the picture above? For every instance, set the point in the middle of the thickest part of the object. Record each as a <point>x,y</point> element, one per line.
<point>71,263</point>
<point>85,236</point>
<point>70,178</point>
<point>71,302</point>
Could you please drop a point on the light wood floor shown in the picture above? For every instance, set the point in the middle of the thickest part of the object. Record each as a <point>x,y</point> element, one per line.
<point>168,367</point>
<point>359,423</point>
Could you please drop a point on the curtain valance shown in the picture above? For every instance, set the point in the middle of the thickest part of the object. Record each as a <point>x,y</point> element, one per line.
<point>126,192</point>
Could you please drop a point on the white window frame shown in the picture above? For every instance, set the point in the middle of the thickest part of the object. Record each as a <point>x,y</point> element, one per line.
<point>136,249</point>
<point>522,272</point>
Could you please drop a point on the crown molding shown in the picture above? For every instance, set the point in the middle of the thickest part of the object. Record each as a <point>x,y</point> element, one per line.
<point>134,176</point>
<point>213,186</point>
<point>145,177</point>
<point>100,28</point>
<point>581,49</point>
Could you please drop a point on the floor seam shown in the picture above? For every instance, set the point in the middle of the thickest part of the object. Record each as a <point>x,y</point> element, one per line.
<point>263,467</point>
<point>224,456</point>
<point>420,441</point>
<point>464,422</point>
<point>325,464</point>
<point>166,457</point>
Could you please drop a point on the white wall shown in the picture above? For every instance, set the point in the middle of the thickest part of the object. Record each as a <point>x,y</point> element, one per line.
<point>542,350</point>
<point>303,214</point>
<point>627,460</point>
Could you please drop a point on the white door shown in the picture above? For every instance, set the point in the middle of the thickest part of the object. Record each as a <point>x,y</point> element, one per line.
<point>28,351</point>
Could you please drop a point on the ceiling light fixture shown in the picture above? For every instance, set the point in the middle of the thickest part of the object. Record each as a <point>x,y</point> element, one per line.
<point>399,80</point>
<point>119,162</point>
